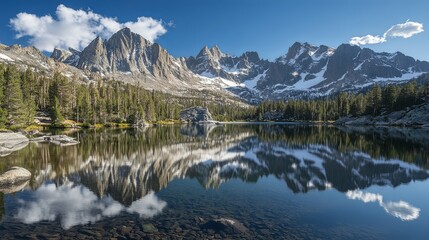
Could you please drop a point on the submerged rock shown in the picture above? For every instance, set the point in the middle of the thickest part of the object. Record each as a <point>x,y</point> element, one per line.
<point>11,141</point>
<point>196,115</point>
<point>149,228</point>
<point>14,177</point>
<point>225,225</point>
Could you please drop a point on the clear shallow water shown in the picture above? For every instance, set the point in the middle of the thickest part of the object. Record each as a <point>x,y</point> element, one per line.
<point>233,181</point>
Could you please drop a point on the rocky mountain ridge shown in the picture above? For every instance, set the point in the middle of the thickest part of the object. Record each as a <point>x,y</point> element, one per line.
<point>305,70</point>
<point>125,57</point>
<point>309,71</point>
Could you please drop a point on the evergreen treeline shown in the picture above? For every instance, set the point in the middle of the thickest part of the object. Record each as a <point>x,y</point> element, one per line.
<point>376,101</point>
<point>23,93</point>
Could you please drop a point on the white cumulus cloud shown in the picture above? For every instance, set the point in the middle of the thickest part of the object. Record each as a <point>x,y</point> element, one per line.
<point>403,30</point>
<point>77,28</point>
<point>368,39</point>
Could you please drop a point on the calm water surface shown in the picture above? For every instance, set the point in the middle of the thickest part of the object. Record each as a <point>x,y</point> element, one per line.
<point>263,181</point>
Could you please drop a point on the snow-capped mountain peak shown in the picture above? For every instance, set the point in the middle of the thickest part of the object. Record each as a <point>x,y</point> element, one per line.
<point>305,70</point>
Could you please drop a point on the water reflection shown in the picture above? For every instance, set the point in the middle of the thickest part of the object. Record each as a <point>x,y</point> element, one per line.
<point>11,188</point>
<point>114,171</point>
<point>401,209</point>
<point>75,205</point>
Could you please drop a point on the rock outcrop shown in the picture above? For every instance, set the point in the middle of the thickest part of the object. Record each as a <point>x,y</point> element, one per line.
<point>11,141</point>
<point>412,116</point>
<point>195,115</point>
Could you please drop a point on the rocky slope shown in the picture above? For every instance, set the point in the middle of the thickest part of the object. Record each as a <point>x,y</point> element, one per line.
<point>31,57</point>
<point>412,116</point>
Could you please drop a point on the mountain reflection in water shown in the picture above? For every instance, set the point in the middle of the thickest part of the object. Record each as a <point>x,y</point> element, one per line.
<point>116,171</point>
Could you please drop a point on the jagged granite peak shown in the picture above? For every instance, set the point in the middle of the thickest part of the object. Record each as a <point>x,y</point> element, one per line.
<point>70,56</point>
<point>213,63</point>
<point>94,57</point>
<point>216,52</point>
<point>251,57</point>
<point>342,61</point>
<point>302,55</point>
<point>297,50</point>
<point>204,52</point>
<point>128,54</point>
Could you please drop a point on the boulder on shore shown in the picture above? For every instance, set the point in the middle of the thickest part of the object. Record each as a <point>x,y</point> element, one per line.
<point>11,141</point>
<point>196,115</point>
<point>16,176</point>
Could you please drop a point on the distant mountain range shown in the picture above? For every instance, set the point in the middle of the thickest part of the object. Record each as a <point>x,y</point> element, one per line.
<point>304,71</point>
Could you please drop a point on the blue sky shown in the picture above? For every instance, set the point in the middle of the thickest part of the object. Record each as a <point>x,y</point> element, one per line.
<point>269,27</point>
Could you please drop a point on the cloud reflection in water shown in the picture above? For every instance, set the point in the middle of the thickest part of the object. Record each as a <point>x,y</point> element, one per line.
<point>76,205</point>
<point>401,209</point>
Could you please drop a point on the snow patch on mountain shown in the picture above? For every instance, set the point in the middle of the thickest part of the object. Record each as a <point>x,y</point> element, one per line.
<point>5,57</point>
<point>251,83</point>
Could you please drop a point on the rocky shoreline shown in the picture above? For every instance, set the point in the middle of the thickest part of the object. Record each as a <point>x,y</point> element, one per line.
<point>416,116</point>
<point>11,141</point>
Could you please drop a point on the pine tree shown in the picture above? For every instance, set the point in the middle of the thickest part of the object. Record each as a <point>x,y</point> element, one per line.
<point>151,114</point>
<point>2,84</point>
<point>3,113</point>
<point>427,89</point>
<point>376,99</point>
<point>3,118</point>
<point>57,117</point>
<point>13,97</point>
<point>390,97</point>
<point>28,92</point>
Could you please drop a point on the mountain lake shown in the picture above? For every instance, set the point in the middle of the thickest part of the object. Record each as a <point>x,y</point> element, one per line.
<point>235,181</point>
